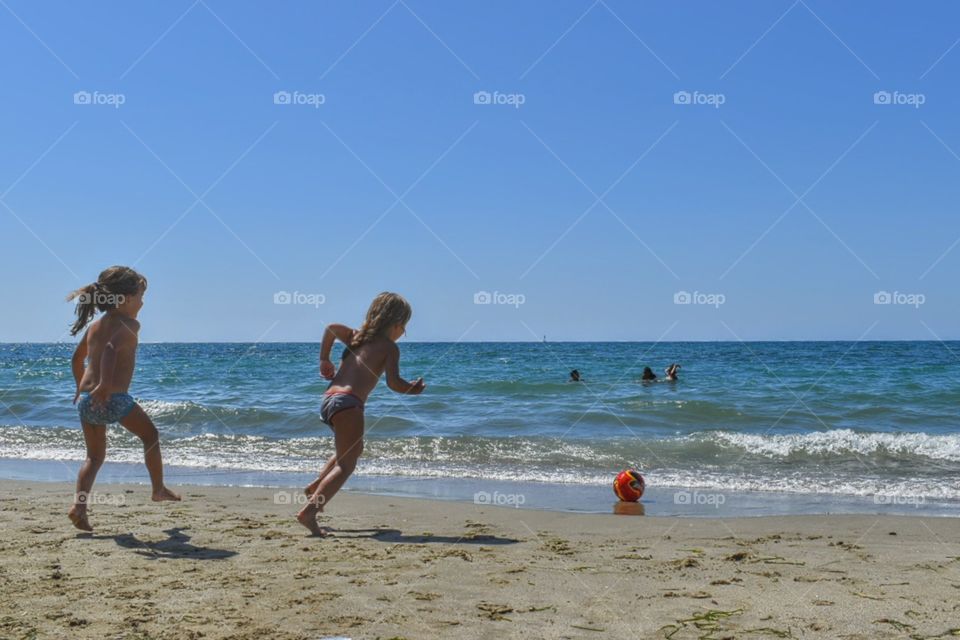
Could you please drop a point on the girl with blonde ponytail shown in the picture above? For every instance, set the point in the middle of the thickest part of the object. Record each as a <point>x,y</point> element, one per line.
<point>369,352</point>
<point>109,348</point>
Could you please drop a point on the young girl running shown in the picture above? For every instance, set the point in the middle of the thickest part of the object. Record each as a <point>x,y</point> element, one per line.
<point>370,351</point>
<point>110,345</point>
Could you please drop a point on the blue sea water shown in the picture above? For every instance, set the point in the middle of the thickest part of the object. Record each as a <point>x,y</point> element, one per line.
<point>801,423</point>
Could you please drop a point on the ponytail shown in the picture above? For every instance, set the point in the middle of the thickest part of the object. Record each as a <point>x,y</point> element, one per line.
<point>107,293</point>
<point>86,306</point>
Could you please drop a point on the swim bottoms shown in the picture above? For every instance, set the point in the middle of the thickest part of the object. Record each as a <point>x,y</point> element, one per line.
<point>114,410</point>
<point>335,402</point>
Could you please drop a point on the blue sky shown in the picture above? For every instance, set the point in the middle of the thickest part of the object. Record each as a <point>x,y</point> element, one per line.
<point>595,202</point>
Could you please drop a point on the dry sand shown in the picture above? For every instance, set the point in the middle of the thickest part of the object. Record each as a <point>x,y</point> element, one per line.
<point>232,563</point>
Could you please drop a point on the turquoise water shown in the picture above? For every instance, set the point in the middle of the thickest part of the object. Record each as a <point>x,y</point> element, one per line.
<point>874,420</point>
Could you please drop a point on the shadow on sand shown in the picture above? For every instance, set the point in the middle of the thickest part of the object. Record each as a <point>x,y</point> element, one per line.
<point>177,545</point>
<point>397,537</point>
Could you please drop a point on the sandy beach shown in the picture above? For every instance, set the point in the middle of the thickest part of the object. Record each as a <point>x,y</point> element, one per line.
<point>232,563</point>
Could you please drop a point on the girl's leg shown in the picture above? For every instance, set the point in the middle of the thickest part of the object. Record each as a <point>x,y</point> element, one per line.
<point>95,437</point>
<point>327,468</point>
<point>139,424</point>
<point>348,440</point>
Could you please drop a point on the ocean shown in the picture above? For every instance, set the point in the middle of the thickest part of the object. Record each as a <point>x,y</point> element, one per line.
<point>750,428</point>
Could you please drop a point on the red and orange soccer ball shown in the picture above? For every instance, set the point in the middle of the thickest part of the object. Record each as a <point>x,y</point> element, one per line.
<point>629,485</point>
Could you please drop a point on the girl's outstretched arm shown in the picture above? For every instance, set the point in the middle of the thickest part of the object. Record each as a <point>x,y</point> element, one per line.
<point>394,381</point>
<point>77,364</point>
<point>333,332</point>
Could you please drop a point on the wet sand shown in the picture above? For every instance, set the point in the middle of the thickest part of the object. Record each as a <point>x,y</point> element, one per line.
<point>233,563</point>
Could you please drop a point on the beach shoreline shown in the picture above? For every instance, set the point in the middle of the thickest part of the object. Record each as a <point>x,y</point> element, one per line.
<point>232,563</point>
<point>658,501</point>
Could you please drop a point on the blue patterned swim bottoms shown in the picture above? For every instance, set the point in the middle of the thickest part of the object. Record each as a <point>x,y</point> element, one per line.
<point>114,410</point>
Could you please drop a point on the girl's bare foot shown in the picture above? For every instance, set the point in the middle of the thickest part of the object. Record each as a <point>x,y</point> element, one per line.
<point>165,494</point>
<point>308,518</point>
<point>78,516</point>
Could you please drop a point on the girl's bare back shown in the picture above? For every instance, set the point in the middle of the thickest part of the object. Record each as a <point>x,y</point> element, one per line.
<point>362,367</point>
<point>120,333</point>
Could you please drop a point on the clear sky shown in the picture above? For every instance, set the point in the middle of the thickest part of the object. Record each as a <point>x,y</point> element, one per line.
<point>781,188</point>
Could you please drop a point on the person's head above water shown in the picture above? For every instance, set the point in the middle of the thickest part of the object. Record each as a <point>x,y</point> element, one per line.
<point>575,375</point>
<point>672,371</point>
<point>648,374</point>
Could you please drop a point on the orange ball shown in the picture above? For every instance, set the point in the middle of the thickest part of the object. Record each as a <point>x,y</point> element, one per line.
<point>629,485</point>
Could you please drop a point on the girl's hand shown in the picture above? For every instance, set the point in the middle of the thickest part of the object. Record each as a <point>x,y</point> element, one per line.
<point>417,387</point>
<point>99,395</point>
<point>327,370</point>
<point>77,395</point>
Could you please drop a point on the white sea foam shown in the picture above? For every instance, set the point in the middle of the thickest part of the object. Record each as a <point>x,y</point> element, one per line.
<point>161,408</point>
<point>844,442</point>
<point>716,461</point>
